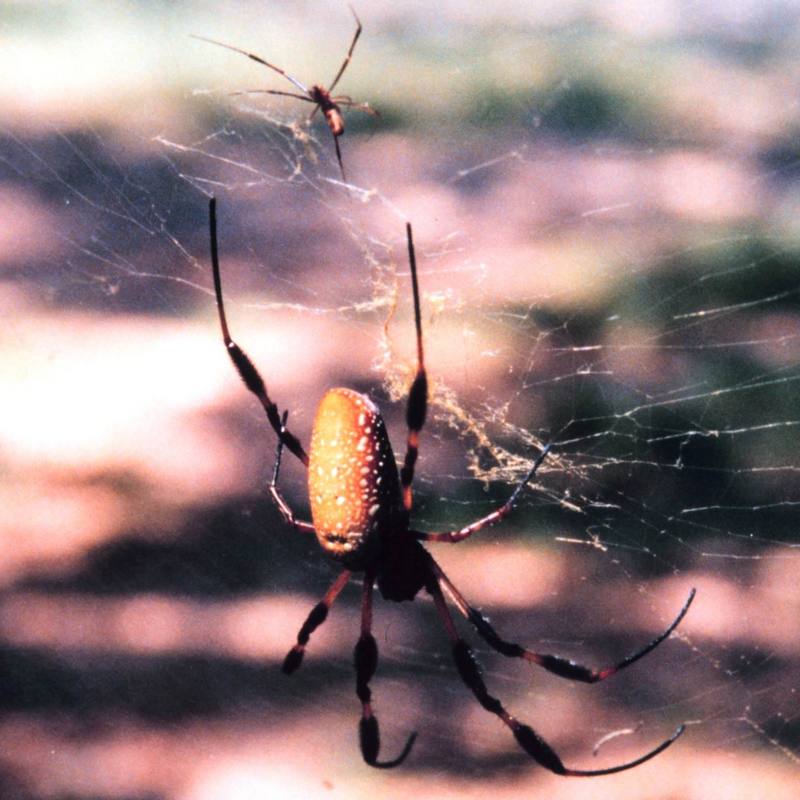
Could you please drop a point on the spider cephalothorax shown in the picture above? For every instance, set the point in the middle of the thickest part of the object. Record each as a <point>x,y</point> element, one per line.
<point>360,508</point>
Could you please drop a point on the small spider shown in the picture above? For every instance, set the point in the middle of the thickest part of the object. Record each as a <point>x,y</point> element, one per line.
<point>317,94</point>
<point>360,506</point>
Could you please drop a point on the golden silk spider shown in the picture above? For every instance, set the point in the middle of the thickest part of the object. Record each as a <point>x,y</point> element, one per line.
<point>322,98</point>
<point>360,508</point>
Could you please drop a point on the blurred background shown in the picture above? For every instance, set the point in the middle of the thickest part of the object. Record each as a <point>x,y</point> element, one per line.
<point>605,201</point>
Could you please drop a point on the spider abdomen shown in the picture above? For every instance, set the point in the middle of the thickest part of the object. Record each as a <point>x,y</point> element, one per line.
<point>353,482</point>
<point>335,120</point>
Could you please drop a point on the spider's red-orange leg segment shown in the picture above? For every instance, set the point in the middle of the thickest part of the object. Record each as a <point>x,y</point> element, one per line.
<point>417,407</point>
<point>317,616</point>
<point>489,519</point>
<point>244,366</point>
<point>277,497</point>
<point>366,662</point>
<point>530,741</point>
<point>558,665</point>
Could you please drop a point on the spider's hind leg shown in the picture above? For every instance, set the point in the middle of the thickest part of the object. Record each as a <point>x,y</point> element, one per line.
<point>558,665</point>
<point>241,361</point>
<point>366,662</point>
<point>339,157</point>
<point>531,742</point>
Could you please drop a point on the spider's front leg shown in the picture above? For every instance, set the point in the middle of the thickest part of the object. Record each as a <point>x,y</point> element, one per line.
<point>417,406</point>
<point>244,366</point>
<point>366,662</point>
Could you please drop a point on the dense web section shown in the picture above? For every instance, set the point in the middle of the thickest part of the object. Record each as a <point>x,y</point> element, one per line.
<point>660,357</point>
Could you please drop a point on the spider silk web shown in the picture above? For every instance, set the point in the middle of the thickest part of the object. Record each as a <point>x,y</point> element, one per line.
<point>604,211</point>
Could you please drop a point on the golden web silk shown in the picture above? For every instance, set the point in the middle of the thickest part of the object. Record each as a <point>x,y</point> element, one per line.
<point>353,482</point>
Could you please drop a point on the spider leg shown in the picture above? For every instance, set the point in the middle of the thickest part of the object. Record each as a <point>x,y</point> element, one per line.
<point>366,662</point>
<point>317,616</point>
<point>349,52</point>
<point>271,91</point>
<point>531,742</point>
<point>417,407</point>
<point>277,497</point>
<point>489,519</point>
<point>255,58</point>
<point>558,665</point>
<point>339,157</point>
<point>244,366</point>
<point>348,103</point>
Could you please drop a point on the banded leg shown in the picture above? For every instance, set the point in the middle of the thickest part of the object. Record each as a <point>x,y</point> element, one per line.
<point>366,662</point>
<point>348,102</point>
<point>271,91</point>
<point>317,616</point>
<point>489,519</point>
<point>558,665</point>
<point>277,497</point>
<point>255,58</point>
<point>244,366</point>
<point>349,52</point>
<point>531,742</point>
<point>417,407</point>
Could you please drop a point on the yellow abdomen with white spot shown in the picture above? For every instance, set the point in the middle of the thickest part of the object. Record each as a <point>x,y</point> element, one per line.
<point>353,483</point>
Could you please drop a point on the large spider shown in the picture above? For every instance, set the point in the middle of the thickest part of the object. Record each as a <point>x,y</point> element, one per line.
<point>360,507</point>
<point>317,94</point>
